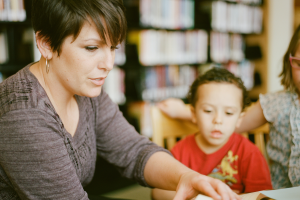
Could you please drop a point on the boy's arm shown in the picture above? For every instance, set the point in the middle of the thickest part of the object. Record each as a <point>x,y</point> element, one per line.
<point>159,194</point>
<point>253,118</point>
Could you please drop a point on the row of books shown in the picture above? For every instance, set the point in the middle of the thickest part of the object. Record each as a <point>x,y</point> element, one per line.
<point>237,18</point>
<point>12,10</point>
<point>161,82</point>
<point>244,70</point>
<point>172,47</point>
<point>3,47</point>
<point>254,2</point>
<point>225,47</point>
<point>169,14</point>
<point>114,85</point>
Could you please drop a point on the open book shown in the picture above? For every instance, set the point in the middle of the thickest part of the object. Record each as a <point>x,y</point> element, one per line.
<point>280,194</point>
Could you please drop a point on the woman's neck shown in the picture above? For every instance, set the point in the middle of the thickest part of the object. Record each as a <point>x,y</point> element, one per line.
<point>63,101</point>
<point>58,95</point>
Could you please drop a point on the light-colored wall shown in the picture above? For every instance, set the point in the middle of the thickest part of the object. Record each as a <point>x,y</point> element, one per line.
<point>280,30</point>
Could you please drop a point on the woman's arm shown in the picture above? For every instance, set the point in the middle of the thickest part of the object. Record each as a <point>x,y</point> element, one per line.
<point>34,161</point>
<point>175,108</point>
<point>159,194</point>
<point>165,172</point>
<point>253,118</point>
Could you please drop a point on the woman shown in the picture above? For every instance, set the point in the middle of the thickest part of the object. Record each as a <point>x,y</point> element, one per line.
<point>54,118</point>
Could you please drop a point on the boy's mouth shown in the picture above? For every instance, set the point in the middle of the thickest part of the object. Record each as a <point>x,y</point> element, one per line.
<point>216,134</point>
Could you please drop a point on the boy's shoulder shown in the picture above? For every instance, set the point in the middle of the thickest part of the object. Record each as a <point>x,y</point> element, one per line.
<point>244,146</point>
<point>185,144</point>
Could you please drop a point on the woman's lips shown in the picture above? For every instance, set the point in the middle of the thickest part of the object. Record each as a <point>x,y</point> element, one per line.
<point>216,134</point>
<point>98,81</point>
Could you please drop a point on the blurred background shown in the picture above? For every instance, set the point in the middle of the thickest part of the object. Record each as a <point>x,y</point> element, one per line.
<point>169,43</point>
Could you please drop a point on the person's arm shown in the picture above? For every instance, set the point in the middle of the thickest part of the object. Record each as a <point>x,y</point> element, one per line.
<point>165,172</point>
<point>175,108</point>
<point>159,194</point>
<point>138,158</point>
<point>34,160</point>
<point>253,118</point>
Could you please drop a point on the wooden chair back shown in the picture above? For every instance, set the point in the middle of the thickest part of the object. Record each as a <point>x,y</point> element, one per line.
<point>167,130</point>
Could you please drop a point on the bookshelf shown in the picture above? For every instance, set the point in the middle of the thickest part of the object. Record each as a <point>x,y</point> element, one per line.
<point>15,36</point>
<point>173,41</point>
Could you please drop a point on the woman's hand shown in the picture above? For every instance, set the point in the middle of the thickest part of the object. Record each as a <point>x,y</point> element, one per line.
<point>175,108</point>
<point>191,183</point>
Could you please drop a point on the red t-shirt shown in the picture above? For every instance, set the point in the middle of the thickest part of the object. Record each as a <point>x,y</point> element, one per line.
<point>239,163</point>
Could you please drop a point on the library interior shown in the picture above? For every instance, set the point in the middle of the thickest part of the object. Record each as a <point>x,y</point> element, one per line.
<point>168,44</point>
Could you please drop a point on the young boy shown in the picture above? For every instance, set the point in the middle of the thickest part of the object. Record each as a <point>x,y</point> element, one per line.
<point>218,99</point>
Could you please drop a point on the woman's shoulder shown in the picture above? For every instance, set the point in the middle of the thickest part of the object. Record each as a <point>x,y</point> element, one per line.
<point>21,91</point>
<point>280,96</point>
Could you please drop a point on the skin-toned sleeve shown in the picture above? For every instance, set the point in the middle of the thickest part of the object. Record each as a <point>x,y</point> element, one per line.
<point>34,161</point>
<point>119,143</point>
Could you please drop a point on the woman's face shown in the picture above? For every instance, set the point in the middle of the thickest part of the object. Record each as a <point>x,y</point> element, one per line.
<point>296,71</point>
<point>83,64</point>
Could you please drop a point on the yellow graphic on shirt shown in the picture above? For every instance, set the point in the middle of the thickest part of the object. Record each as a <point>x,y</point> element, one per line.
<point>226,171</point>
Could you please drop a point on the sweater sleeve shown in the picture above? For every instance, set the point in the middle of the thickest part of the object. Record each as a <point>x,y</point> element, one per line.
<point>119,143</point>
<point>34,161</point>
<point>255,171</point>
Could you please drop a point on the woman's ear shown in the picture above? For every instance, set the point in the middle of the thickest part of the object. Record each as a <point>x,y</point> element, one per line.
<point>193,113</point>
<point>240,119</point>
<point>44,46</point>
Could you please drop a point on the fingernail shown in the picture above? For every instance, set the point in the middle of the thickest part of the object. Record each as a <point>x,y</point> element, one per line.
<point>219,197</point>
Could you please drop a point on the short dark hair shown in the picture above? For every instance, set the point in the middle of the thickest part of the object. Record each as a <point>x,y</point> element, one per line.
<point>218,75</point>
<point>286,73</point>
<point>57,19</point>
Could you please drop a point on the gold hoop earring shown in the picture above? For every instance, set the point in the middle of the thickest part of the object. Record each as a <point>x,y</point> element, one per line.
<point>47,66</point>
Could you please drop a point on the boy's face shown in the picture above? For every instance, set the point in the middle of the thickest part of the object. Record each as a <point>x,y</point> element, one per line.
<point>217,112</point>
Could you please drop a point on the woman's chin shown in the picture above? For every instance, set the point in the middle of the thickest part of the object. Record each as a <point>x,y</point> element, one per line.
<point>92,93</point>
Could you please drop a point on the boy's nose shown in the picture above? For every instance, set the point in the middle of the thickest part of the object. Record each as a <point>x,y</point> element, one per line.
<point>218,118</point>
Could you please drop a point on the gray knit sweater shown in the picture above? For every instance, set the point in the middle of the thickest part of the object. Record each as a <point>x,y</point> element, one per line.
<point>39,159</point>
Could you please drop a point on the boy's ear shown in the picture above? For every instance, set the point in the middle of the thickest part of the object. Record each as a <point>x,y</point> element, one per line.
<point>44,46</point>
<point>238,123</point>
<point>194,119</point>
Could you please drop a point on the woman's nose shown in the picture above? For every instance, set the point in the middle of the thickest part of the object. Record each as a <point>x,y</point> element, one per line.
<point>108,59</point>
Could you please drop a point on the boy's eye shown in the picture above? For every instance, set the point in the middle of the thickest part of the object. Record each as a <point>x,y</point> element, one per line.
<point>91,48</point>
<point>207,111</point>
<point>229,113</point>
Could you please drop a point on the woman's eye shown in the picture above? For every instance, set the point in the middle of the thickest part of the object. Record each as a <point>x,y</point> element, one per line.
<point>207,111</point>
<point>113,48</point>
<point>91,48</point>
<point>229,113</point>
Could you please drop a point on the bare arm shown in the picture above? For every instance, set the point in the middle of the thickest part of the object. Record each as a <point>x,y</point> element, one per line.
<point>253,118</point>
<point>159,194</point>
<point>175,108</point>
<point>165,172</point>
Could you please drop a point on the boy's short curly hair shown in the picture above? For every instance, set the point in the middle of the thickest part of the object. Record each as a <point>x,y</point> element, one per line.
<point>218,75</point>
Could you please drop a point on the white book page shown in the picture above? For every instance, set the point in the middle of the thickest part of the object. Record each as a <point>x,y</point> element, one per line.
<point>283,194</point>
